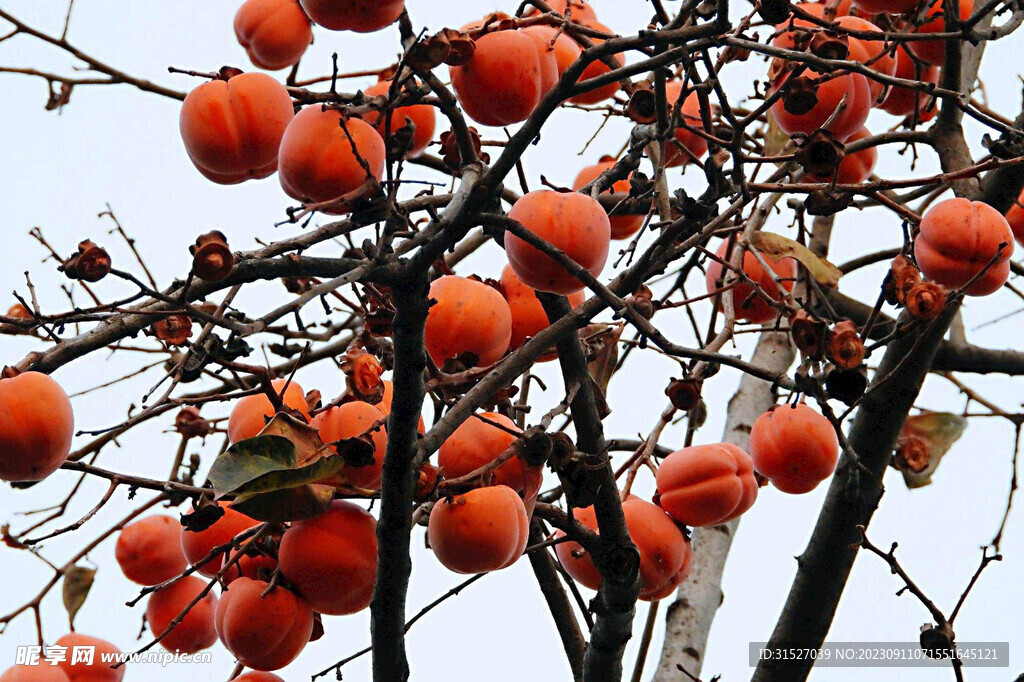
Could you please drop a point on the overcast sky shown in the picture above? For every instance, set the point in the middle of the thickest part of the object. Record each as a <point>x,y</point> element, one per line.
<point>120,146</point>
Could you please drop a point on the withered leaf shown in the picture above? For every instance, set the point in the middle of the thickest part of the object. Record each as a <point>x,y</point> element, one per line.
<point>77,583</point>
<point>776,246</point>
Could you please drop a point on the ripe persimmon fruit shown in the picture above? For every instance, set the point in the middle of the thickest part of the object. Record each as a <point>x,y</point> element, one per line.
<point>469,317</point>
<point>232,128</point>
<point>332,559</point>
<point>251,413</point>
<point>36,426</point>
<point>483,530</point>
<point>794,447</point>
<point>574,223</point>
<point>704,485</point>
<point>149,550</point>
<point>958,239</point>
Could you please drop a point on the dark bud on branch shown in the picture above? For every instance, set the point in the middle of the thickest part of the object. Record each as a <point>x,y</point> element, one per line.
<point>925,300</point>
<point>912,454</point>
<point>212,259</point>
<point>825,202</point>
<point>173,330</point>
<point>228,72</point>
<point>801,95</point>
<point>902,277</point>
<point>809,334</point>
<point>450,148</point>
<point>829,45</point>
<point>845,347</point>
<point>448,46</point>
<point>846,385</point>
<point>90,264</point>
<point>643,106</point>
<point>363,375</point>
<point>684,393</point>
<point>190,424</point>
<point>820,154</point>
<point>642,301</point>
<point>937,641</point>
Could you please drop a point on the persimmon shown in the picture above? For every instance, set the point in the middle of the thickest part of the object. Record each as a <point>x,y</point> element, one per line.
<point>844,8</point>
<point>251,413</point>
<point>36,426</point>
<point>934,51</point>
<point>886,6</point>
<point>322,158</point>
<point>97,670</point>
<point>872,53</point>
<point>257,676</point>
<point>580,10</point>
<point>149,551</point>
<point>483,530</point>
<point>361,16</point>
<point>1014,218</point>
<point>957,239</point>
<point>44,672</point>
<point>503,81</point>
<point>332,559</point>
<point>622,226</point>
<point>274,33</point>
<point>349,420</point>
<point>855,167</point>
<point>469,317</point>
<point>830,92</point>
<point>253,563</point>
<point>263,631</point>
<point>197,545</point>
<point>902,101</point>
<point>749,304</point>
<point>794,447</point>
<point>564,49</point>
<point>528,316</point>
<point>478,441</point>
<point>664,551</point>
<point>420,116</point>
<point>572,222</point>
<point>385,402</point>
<point>704,485</point>
<point>598,68</point>
<point>19,312</point>
<point>232,128</point>
<point>196,630</point>
<point>685,145</point>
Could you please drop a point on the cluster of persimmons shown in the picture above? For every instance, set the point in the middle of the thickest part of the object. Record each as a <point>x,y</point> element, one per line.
<point>239,126</point>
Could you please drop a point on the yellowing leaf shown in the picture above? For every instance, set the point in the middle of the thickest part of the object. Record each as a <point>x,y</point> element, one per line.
<point>77,583</point>
<point>776,246</point>
<point>775,140</point>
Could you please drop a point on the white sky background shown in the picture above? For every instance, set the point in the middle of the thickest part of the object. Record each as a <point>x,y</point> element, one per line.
<point>119,145</point>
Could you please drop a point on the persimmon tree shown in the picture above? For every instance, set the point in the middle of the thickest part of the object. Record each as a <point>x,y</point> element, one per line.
<point>266,535</point>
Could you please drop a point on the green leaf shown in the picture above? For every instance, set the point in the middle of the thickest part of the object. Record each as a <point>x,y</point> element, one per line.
<point>938,430</point>
<point>285,473</point>
<point>776,246</point>
<point>291,504</point>
<point>77,583</point>
<point>248,460</point>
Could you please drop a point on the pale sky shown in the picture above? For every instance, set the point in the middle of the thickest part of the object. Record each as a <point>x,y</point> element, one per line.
<point>120,146</point>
